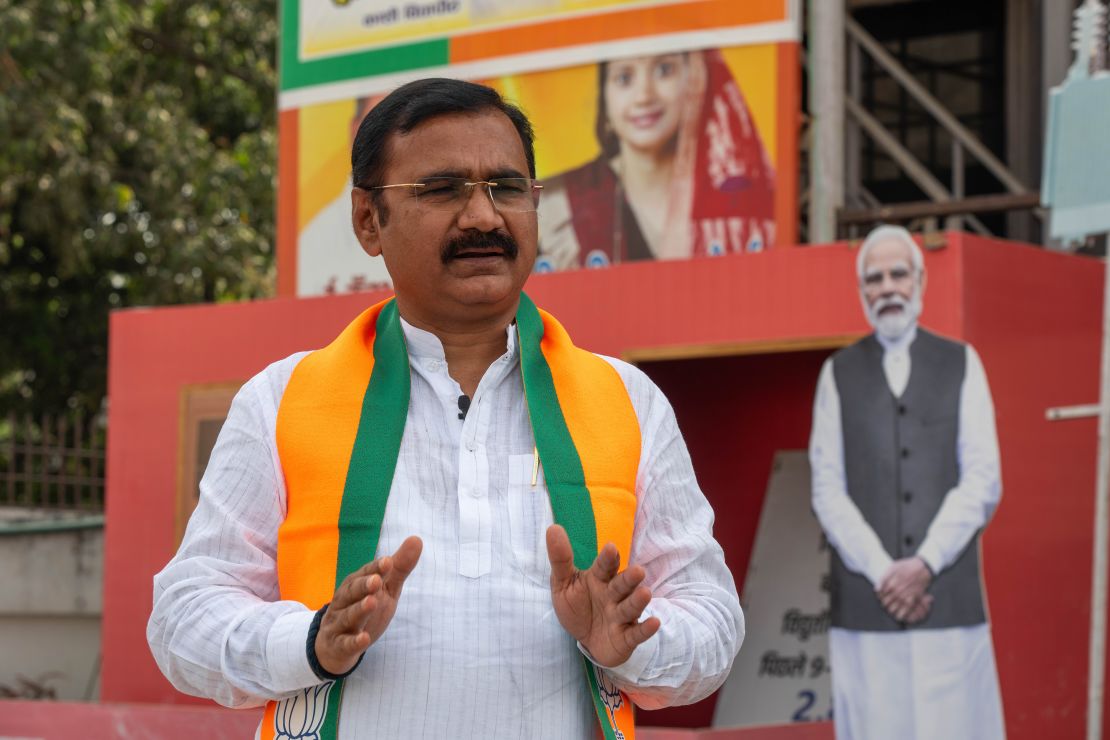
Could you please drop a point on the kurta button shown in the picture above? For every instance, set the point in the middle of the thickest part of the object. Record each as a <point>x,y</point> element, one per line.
<point>909,540</point>
<point>471,445</point>
<point>901,409</point>
<point>905,452</point>
<point>907,497</point>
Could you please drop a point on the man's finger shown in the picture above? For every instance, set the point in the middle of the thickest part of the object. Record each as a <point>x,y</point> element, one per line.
<point>407,556</point>
<point>607,563</point>
<point>642,632</point>
<point>353,644</point>
<point>920,609</point>
<point>561,556</point>
<point>631,608</point>
<point>625,583</point>
<point>352,617</point>
<point>884,581</point>
<point>402,563</point>
<point>353,587</point>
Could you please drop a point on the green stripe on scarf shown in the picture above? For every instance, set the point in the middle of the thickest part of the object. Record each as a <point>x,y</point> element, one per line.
<point>562,467</point>
<point>571,506</point>
<point>377,446</point>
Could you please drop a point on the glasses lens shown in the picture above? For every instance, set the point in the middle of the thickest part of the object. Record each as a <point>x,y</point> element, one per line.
<point>441,193</point>
<point>514,194</point>
<point>517,194</point>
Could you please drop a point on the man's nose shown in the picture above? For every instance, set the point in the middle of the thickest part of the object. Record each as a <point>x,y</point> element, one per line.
<point>888,286</point>
<point>479,211</point>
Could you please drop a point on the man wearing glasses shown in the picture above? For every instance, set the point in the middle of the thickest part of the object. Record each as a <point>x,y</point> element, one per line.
<point>535,501</point>
<point>905,469</point>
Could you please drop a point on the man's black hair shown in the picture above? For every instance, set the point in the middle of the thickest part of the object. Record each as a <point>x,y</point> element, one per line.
<point>410,105</point>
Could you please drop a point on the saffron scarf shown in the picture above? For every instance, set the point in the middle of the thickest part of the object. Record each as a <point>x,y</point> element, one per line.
<point>339,429</point>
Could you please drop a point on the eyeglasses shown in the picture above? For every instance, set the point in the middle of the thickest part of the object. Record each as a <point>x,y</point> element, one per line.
<point>513,194</point>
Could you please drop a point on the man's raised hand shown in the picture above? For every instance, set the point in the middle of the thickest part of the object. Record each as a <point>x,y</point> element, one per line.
<point>599,607</point>
<point>363,606</point>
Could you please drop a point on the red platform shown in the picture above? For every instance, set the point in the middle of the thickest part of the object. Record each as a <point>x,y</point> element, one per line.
<point>736,343</point>
<point>54,721</point>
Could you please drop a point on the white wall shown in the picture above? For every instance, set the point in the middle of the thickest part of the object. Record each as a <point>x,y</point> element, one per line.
<point>51,574</point>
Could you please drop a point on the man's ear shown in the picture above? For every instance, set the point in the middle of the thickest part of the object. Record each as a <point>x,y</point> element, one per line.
<point>364,219</point>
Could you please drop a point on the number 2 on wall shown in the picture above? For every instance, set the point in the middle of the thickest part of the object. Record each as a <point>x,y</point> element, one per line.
<point>808,699</point>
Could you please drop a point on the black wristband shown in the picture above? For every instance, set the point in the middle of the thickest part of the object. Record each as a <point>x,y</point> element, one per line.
<point>310,648</point>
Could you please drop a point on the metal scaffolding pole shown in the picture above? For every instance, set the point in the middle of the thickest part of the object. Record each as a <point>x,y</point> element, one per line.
<point>826,110</point>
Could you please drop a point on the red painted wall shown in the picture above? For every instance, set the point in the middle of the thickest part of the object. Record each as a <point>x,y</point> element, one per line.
<point>735,413</point>
<point>1034,317</point>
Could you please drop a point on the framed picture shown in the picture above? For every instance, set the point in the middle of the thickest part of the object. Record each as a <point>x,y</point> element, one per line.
<point>203,410</point>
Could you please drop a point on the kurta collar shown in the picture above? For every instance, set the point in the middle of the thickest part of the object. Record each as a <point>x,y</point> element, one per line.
<point>898,344</point>
<point>425,345</point>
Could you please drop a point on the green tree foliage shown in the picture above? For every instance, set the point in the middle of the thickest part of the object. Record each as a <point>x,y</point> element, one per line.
<point>137,168</point>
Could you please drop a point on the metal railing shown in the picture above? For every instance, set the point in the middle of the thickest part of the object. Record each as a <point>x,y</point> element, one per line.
<point>951,199</point>
<point>52,462</point>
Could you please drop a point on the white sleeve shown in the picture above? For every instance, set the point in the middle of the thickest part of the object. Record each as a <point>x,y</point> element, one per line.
<point>845,528</point>
<point>217,629</point>
<point>693,592</point>
<point>967,507</point>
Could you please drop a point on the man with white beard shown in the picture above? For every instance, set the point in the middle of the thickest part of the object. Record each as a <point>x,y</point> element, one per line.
<point>905,467</point>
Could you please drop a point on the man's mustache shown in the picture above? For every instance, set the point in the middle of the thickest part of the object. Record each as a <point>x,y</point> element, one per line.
<point>479,240</point>
<point>888,302</point>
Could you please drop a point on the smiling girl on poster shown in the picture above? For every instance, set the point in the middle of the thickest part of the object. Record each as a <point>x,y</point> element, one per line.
<point>682,170</point>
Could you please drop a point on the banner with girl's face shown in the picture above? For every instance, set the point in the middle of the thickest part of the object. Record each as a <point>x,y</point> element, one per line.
<point>660,152</point>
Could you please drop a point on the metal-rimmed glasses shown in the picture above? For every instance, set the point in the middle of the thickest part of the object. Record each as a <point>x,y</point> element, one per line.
<point>512,194</point>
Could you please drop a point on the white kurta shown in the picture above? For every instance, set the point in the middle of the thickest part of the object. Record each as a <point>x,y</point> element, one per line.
<point>916,684</point>
<point>475,649</point>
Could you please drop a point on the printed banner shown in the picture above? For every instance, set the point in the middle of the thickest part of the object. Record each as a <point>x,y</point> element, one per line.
<point>333,48</point>
<point>658,157</point>
<point>664,129</point>
<point>331,27</point>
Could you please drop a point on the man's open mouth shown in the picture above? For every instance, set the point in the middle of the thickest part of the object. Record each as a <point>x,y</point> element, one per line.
<point>472,253</point>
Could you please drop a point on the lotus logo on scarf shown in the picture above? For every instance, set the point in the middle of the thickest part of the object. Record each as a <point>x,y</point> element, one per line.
<point>612,698</point>
<point>301,716</point>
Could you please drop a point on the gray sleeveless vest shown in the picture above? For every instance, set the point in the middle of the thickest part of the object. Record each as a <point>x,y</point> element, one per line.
<point>899,462</point>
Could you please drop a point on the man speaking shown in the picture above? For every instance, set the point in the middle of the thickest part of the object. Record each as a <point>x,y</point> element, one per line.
<point>450,522</point>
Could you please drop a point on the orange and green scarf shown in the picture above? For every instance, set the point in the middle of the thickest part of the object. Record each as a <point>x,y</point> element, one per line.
<point>339,430</point>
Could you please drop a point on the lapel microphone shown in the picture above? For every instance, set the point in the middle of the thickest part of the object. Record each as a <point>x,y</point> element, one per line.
<point>464,405</point>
